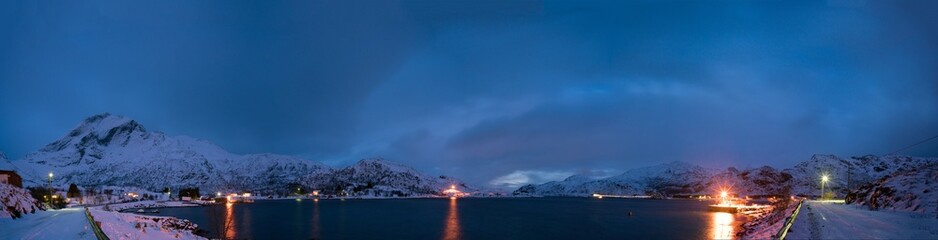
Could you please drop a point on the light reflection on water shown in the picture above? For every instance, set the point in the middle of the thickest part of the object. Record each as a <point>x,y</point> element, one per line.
<point>722,225</point>
<point>451,230</point>
<point>230,231</point>
<point>316,226</point>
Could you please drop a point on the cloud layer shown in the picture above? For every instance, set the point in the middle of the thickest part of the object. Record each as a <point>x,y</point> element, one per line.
<point>495,92</point>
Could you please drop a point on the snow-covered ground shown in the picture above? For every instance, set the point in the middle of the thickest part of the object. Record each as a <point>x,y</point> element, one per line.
<point>764,225</point>
<point>68,223</point>
<point>143,204</point>
<point>825,220</point>
<point>119,225</point>
<point>131,226</point>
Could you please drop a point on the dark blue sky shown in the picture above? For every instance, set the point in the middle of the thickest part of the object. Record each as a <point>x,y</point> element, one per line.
<point>521,91</point>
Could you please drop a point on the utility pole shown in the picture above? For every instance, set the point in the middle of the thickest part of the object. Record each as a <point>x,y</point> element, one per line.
<point>823,182</point>
<point>849,172</point>
<point>51,191</point>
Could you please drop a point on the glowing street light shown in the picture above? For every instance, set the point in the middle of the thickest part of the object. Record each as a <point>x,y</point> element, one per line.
<point>50,186</point>
<point>824,179</point>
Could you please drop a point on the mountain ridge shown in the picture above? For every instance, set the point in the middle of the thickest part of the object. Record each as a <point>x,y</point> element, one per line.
<point>111,150</point>
<point>680,178</point>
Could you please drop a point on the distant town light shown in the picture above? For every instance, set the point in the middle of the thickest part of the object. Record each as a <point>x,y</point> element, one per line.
<point>723,194</point>
<point>824,178</point>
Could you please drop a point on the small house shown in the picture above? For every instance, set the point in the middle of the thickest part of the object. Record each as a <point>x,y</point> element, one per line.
<point>10,177</point>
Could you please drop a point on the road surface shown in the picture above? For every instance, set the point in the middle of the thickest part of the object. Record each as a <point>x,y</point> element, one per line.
<point>69,223</point>
<point>825,220</point>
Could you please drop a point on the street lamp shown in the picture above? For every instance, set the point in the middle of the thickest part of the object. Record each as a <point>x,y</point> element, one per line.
<point>824,179</point>
<point>50,186</point>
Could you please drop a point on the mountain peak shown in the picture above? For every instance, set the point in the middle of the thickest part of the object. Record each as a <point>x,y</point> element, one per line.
<point>379,162</point>
<point>100,128</point>
<point>577,177</point>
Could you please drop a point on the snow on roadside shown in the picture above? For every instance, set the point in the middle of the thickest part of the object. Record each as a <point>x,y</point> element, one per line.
<point>143,204</point>
<point>766,224</point>
<point>118,225</point>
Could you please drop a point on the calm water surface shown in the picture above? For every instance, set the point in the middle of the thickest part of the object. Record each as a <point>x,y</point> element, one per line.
<point>467,218</point>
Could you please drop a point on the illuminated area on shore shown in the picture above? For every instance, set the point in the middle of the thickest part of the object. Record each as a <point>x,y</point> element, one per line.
<point>454,193</point>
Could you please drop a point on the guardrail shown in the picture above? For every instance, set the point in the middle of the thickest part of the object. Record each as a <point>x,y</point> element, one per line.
<point>95,227</point>
<point>789,221</point>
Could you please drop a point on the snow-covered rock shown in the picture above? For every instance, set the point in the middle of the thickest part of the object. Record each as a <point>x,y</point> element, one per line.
<point>914,189</point>
<point>15,201</point>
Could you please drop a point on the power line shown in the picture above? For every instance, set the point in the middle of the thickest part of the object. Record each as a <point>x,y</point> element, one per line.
<point>913,145</point>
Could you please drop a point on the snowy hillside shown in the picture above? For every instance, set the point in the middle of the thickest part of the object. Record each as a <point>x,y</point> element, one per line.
<point>665,179</point>
<point>755,181</point>
<point>382,178</point>
<point>847,173</point>
<point>679,178</point>
<point>913,189</point>
<point>109,150</point>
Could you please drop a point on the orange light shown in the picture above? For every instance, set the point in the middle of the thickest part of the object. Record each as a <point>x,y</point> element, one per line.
<point>452,198</point>
<point>723,194</point>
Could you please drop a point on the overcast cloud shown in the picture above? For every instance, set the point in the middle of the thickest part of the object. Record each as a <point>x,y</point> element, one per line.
<point>494,92</point>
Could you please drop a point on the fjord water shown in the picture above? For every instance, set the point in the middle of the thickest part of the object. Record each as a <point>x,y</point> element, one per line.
<point>465,218</point>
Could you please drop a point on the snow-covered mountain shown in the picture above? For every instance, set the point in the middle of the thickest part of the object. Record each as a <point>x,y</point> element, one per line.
<point>109,150</point>
<point>678,178</point>
<point>379,177</point>
<point>665,179</point>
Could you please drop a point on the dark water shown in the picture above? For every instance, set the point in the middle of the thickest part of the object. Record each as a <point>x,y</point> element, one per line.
<point>467,218</point>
